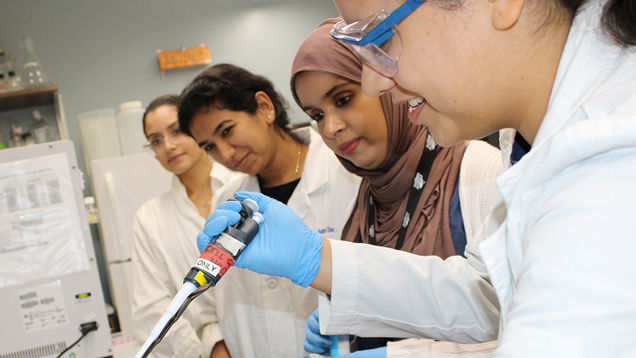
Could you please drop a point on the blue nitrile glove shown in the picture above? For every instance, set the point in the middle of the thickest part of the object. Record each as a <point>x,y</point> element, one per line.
<point>284,245</point>
<point>369,353</point>
<point>314,341</point>
<point>225,214</point>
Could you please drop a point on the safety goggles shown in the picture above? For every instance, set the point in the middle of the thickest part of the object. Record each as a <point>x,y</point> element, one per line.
<point>157,144</point>
<point>376,39</point>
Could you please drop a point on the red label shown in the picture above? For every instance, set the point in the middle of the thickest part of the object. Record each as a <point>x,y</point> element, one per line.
<point>219,257</point>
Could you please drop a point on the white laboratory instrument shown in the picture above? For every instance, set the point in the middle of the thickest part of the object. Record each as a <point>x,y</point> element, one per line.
<point>49,283</point>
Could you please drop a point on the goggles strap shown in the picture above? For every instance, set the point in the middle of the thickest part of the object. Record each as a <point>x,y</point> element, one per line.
<point>385,26</point>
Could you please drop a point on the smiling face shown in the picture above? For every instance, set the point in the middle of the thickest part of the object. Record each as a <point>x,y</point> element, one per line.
<point>238,140</point>
<point>351,123</point>
<point>176,158</point>
<point>453,68</point>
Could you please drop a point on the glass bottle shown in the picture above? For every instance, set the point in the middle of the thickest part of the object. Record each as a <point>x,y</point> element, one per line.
<point>33,72</point>
<point>40,129</point>
<point>16,136</point>
<point>13,79</point>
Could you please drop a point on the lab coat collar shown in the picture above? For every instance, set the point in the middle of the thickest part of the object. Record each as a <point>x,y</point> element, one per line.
<point>312,179</point>
<point>587,61</point>
<point>179,195</point>
<point>317,157</point>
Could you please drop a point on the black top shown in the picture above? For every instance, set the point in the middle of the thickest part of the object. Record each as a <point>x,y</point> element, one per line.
<point>281,193</point>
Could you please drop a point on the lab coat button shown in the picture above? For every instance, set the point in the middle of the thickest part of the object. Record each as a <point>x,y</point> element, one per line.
<point>272,283</point>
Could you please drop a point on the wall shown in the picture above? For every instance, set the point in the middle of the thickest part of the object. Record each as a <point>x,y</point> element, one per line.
<point>102,53</point>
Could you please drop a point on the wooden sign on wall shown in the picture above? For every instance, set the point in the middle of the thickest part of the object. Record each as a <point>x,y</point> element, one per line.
<point>184,57</point>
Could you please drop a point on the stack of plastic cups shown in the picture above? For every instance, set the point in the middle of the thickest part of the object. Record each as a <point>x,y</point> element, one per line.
<point>99,135</point>
<point>130,127</point>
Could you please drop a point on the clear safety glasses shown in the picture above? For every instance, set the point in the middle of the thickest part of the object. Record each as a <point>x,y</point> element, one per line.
<point>376,39</point>
<point>157,144</point>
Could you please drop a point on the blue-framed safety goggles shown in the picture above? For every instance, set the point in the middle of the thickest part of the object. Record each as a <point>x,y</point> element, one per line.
<point>369,37</point>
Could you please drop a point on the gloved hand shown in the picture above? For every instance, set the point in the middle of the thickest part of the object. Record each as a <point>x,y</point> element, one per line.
<point>226,214</point>
<point>284,246</point>
<point>314,341</point>
<point>369,353</point>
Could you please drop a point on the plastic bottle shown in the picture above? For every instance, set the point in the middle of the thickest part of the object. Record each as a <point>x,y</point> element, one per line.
<point>40,130</point>
<point>92,214</point>
<point>131,133</point>
<point>33,71</point>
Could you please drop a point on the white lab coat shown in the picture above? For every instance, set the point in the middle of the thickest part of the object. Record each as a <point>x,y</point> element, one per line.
<point>265,316</point>
<point>164,248</point>
<point>558,246</point>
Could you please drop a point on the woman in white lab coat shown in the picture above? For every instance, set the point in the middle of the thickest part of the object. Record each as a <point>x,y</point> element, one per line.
<point>556,252</point>
<point>241,121</point>
<point>163,237</point>
<point>457,184</point>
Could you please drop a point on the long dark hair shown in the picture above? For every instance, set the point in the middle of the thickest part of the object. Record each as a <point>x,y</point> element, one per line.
<point>226,86</point>
<point>618,19</point>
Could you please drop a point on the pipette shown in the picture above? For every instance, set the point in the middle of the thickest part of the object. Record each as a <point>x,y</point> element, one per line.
<point>215,260</point>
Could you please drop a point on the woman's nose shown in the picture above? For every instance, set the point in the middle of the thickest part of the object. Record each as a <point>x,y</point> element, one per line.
<point>225,152</point>
<point>168,145</point>
<point>374,84</point>
<point>333,126</point>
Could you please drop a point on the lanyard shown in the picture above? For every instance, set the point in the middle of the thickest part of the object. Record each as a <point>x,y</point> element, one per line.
<point>419,181</point>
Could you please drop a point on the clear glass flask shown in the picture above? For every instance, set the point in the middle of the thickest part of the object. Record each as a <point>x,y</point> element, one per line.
<point>14,81</point>
<point>32,69</point>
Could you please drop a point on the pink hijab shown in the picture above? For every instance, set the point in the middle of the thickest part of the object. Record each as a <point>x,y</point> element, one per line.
<point>429,230</point>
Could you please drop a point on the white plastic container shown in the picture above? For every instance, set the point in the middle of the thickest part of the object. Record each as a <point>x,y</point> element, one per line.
<point>131,132</point>
<point>99,135</point>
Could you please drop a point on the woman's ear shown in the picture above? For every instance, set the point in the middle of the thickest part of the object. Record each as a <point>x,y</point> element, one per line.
<point>505,13</point>
<point>265,107</point>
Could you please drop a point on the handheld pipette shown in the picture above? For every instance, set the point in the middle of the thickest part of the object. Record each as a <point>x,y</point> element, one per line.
<point>215,260</point>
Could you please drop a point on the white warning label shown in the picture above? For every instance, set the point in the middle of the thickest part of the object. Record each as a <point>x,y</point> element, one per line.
<point>208,267</point>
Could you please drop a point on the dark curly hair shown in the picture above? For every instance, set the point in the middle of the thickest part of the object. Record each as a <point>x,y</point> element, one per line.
<point>226,86</point>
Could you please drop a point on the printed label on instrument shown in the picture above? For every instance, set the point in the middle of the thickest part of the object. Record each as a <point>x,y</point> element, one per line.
<point>208,267</point>
<point>214,261</point>
<point>43,307</point>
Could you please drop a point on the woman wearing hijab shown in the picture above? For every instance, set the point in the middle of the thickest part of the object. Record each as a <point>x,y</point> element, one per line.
<point>406,179</point>
<point>557,250</point>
